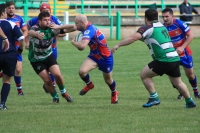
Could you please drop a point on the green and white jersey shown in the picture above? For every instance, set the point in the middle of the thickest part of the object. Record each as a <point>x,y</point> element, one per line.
<point>157,39</point>
<point>39,50</point>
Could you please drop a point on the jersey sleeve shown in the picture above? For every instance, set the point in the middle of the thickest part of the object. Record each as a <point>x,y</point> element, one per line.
<point>22,24</point>
<point>183,26</point>
<point>56,20</point>
<point>32,22</point>
<point>88,34</point>
<point>145,31</point>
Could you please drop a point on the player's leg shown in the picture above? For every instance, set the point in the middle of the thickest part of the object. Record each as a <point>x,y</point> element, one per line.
<point>84,70</point>
<point>17,77</point>
<point>192,80</point>
<point>175,78</point>
<point>187,64</point>
<point>112,85</point>
<point>44,75</point>
<point>146,76</point>
<point>182,88</point>
<point>54,69</point>
<point>5,91</point>
<point>7,64</point>
<point>41,69</point>
<point>55,54</point>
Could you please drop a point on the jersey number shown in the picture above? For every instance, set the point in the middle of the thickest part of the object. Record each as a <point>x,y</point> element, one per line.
<point>165,33</point>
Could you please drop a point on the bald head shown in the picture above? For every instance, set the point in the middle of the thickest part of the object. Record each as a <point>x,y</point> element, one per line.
<point>81,21</point>
<point>82,18</point>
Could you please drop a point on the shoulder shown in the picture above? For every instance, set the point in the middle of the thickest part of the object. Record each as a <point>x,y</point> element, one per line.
<point>143,29</point>
<point>17,16</point>
<point>55,20</point>
<point>35,27</point>
<point>178,22</point>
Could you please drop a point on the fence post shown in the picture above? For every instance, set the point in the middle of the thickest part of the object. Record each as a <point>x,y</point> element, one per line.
<point>118,26</point>
<point>163,4</point>
<point>136,8</point>
<point>54,8</point>
<point>26,10</point>
<point>66,21</point>
<point>109,7</point>
<point>82,6</point>
<point>111,27</point>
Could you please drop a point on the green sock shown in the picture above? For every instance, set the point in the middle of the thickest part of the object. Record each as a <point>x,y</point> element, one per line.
<point>154,95</point>
<point>62,89</point>
<point>188,100</point>
<point>54,95</point>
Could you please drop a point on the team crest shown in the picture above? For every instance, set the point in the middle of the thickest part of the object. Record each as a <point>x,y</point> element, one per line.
<point>87,32</point>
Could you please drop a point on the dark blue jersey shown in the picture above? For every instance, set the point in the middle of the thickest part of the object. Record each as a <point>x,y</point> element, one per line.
<point>12,31</point>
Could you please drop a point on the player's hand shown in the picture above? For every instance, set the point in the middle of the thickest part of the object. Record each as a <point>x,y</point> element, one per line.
<point>179,50</point>
<point>114,48</point>
<point>40,36</point>
<point>5,44</point>
<point>54,26</point>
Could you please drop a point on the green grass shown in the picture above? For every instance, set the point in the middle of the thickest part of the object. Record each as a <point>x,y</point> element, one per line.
<point>93,113</point>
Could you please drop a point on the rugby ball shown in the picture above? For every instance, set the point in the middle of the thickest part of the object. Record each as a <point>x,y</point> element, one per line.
<point>79,37</point>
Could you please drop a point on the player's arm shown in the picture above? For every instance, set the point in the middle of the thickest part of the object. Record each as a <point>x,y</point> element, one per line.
<point>66,27</point>
<point>189,38</point>
<point>20,38</point>
<point>25,31</point>
<point>127,41</point>
<point>35,34</point>
<point>2,34</point>
<point>6,44</point>
<point>80,45</point>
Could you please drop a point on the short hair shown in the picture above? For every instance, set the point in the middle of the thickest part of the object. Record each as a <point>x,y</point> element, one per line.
<point>43,14</point>
<point>151,14</point>
<point>2,8</point>
<point>9,3</point>
<point>168,10</point>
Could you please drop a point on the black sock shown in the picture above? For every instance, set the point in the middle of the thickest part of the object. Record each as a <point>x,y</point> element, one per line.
<point>4,92</point>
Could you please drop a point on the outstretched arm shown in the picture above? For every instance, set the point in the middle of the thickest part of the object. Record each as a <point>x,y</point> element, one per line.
<point>35,34</point>
<point>127,41</point>
<point>66,27</point>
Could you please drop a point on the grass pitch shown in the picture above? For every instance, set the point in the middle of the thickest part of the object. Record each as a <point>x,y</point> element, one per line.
<point>93,113</point>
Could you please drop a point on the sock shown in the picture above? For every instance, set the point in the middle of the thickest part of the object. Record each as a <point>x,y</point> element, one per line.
<point>112,86</point>
<point>4,92</point>
<point>86,79</point>
<point>18,83</point>
<point>55,95</point>
<point>188,100</point>
<point>154,95</point>
<point>194,85</point>
<point>62,89</point>
<point>52,79</point>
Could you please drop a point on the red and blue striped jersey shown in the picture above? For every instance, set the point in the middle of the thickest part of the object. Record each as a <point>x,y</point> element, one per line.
<point>97,42</point>
<point>177,32</point>
<point>18,20</point>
